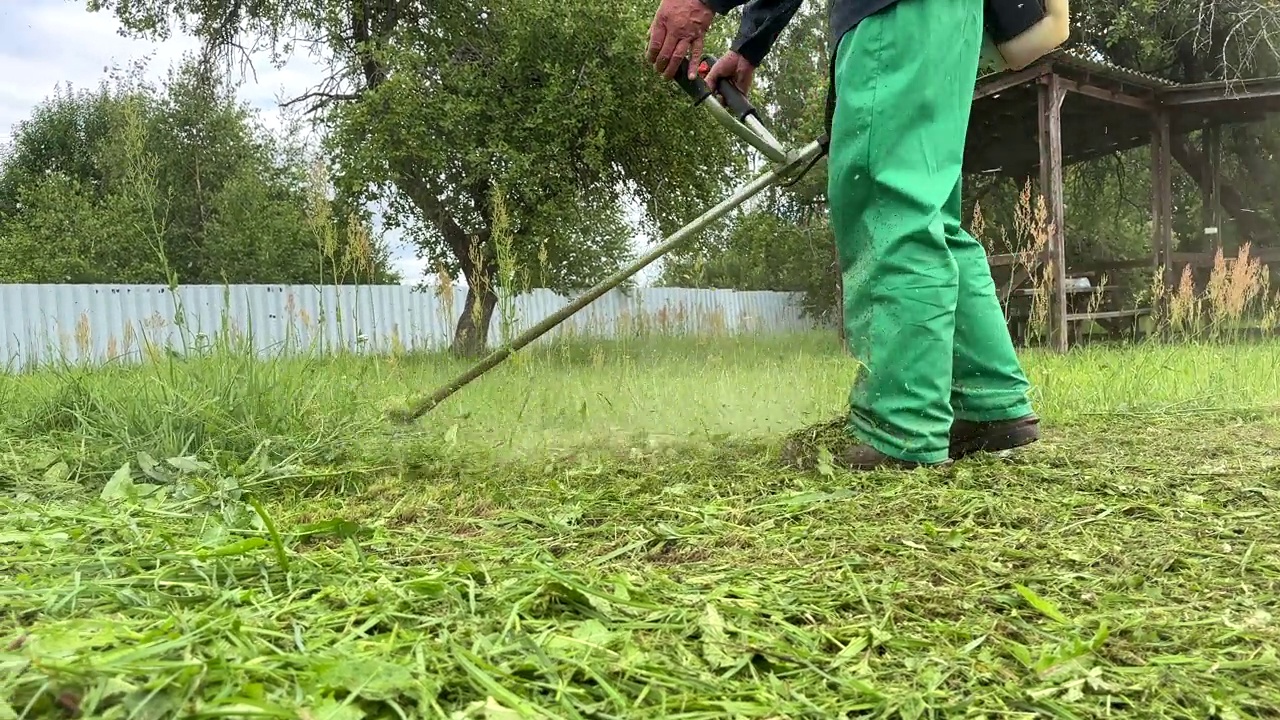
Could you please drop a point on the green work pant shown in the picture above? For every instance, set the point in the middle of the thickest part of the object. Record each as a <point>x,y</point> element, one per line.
<point>920,309</point>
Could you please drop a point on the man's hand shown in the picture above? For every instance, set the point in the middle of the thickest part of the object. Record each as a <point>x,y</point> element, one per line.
<point>677,31</point>
<point>736,69</point>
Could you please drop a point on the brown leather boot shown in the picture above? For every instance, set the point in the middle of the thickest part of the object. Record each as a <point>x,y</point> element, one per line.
<point>970,437</point>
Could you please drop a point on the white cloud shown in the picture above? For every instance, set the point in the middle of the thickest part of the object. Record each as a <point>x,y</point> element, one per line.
<point>412,269</point>
<point>51,42</point>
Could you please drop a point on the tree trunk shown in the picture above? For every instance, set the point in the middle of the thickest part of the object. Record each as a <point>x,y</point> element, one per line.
<point>474,255</point>
<point>470,336</point>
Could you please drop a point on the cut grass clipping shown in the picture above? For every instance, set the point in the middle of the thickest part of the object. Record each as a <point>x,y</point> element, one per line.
<point>604,534</point>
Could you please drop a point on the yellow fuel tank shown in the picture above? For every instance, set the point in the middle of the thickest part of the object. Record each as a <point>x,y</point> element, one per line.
<point>1033,43</point>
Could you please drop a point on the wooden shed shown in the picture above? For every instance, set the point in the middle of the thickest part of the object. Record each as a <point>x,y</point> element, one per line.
<point>1068,109</point>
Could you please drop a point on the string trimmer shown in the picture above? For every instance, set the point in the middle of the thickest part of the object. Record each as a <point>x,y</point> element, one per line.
<point>741,118</point>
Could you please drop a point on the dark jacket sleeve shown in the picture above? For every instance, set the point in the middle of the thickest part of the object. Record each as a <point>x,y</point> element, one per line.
<point>722,6</point>
<point>762,22</point>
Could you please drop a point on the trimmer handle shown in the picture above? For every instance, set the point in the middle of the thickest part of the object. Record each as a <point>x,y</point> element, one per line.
<point>698,89</point>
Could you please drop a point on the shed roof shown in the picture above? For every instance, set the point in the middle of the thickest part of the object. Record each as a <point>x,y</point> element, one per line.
<point>1109,111</point>
<point>1091,64</point>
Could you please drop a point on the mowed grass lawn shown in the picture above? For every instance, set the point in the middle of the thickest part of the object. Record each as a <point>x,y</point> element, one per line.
<point>599,531</point>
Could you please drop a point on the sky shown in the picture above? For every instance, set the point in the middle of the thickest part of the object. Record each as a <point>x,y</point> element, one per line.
<point>47,42</point>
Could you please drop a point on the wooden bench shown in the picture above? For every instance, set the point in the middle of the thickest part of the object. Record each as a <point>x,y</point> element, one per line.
<point>1081,296</point>
<point>1011,272</point>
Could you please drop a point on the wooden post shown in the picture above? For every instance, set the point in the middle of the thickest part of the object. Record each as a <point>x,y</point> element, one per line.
<point>1211,214</point>
<point>1162,197</point>
<point>1157,213</point>
<point>1051,95</point>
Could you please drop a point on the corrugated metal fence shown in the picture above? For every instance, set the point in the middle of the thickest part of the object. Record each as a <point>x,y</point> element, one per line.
<point>97,323</point>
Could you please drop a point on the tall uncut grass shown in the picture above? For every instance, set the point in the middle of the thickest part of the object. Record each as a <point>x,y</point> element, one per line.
<point>231,399</point>
<point>1234,300</point>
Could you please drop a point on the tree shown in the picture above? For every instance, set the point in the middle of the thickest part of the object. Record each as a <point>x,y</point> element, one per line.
<point>440,108</point>
<point>132,183</point>
<point>762,250</point>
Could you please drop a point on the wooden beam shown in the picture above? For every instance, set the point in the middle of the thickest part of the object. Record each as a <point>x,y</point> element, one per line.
<point>1206,260</point>
<point>1051,96</point>
<point>1195,260</point>
<point>1089,266</point>
<point>1114,96</point>
<point>1209,93</point>
<point>1109,314</point>
<point>1011,80</point>
<point>1102,266</point>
